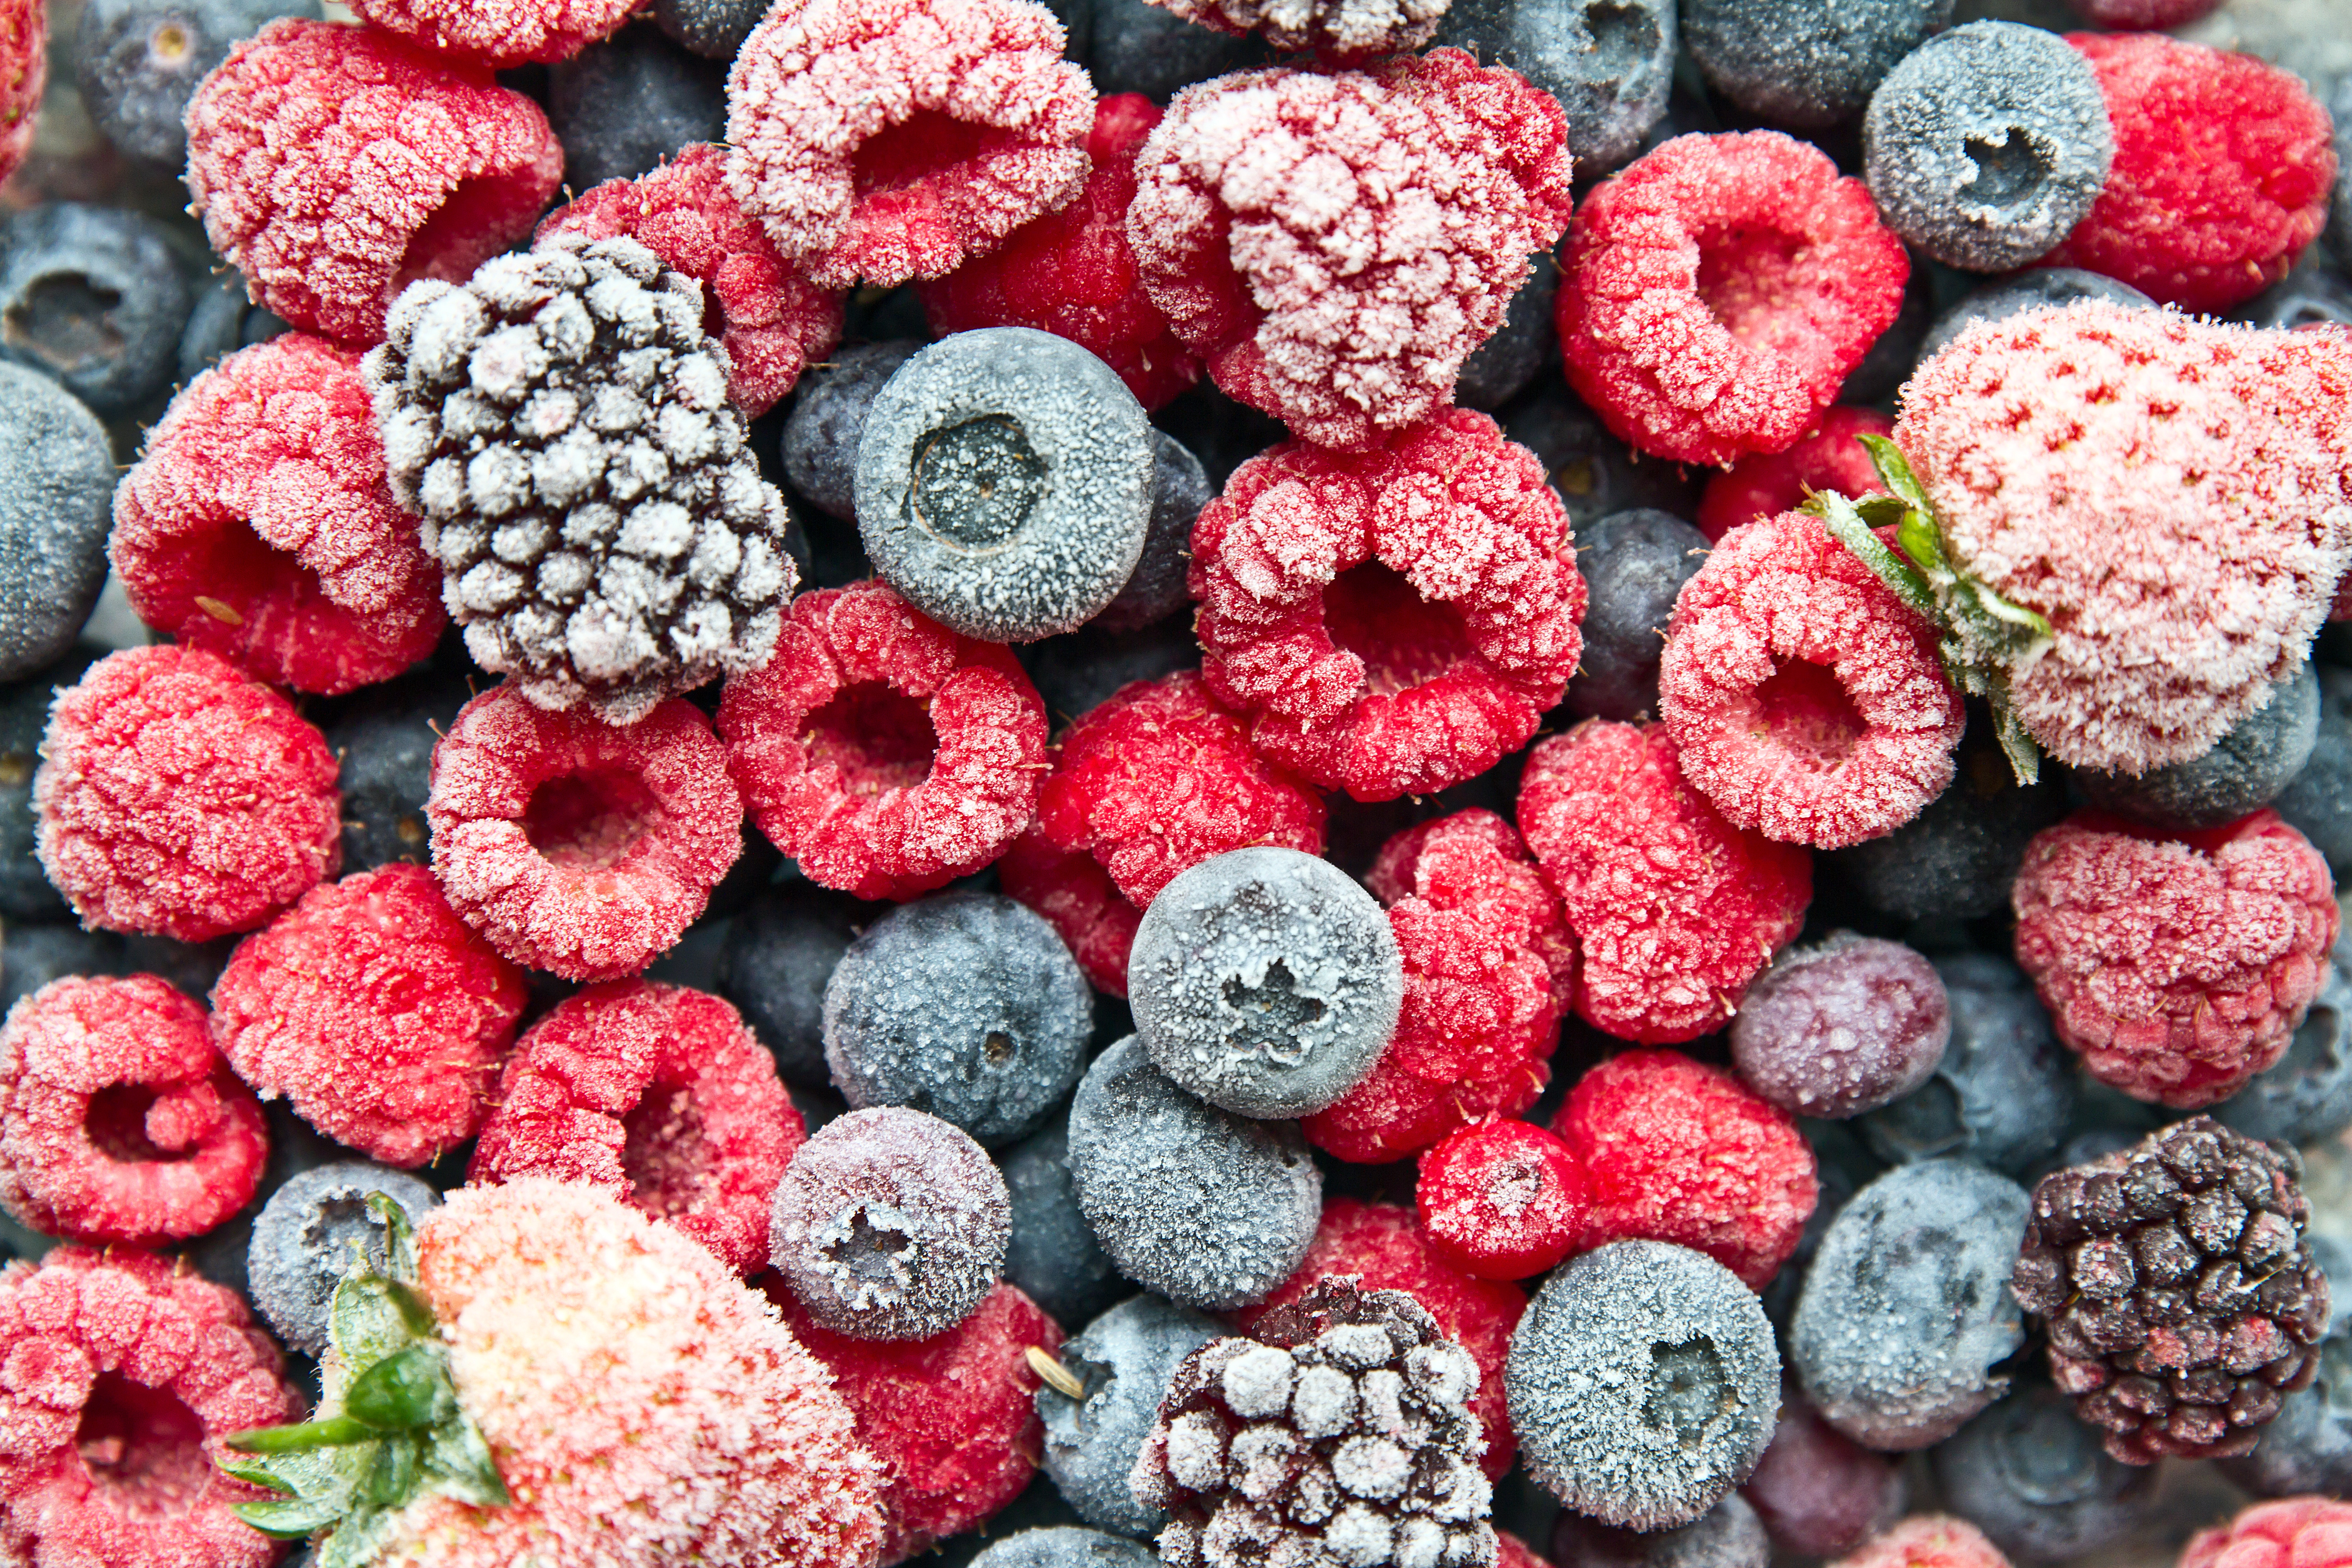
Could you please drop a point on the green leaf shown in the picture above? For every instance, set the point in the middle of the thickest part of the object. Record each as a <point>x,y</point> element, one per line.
<point>367,1321</point>
<point>1894,471</point>
<point>330,1432</point>
<point>392,1478</point>
<point>1882,511</point>
<point>461,1459</point>
<point>399,1236</point>
<point>357,1542</point>
<point>258,1475</point>
<point>2013,615</point>
<point>1845,524</point>
<point>406,1390</point>
<point>2016,744</point>
<point>287,1519</point>
<point>1917,534</point>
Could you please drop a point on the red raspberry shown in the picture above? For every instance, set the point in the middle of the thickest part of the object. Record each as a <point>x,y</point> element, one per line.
<point>1674,909</point>
<point>1930,1540</point>
<point>124,1371</point>
<point>501,34</point>
<point>2222,172</point>
<point>576,845</point>
<point>1394,620</point>
<point>1381,1243</point>
<point>1766,484</point>
<point>953,1418</point>
<point>334,165</point>
<point>1489,968</point>
<point>1071,272</point>
<point>375,1011</point>
<point>2294,1532</point>
<point>772,320</point>
<point>1719,290</point>
<point>885,754</point>
<point>2177,965</point>
<point>657,1095</point>
<point>23,73</point>
<point>179,798</point>
<point>891,140</point>
<point>119,1122</point>
<point>1333,245</point>
<point>1677,1151</point>
<point>1503,1200</point>
<point>258,525</point>
<point>1510,1552</point>
<point>1079,900</point>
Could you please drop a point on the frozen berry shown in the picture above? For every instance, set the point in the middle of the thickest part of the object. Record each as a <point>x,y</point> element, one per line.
<point>2317,802</point>
<point>1958,858</point>
<point>1156,589</point>
<point>1334,29</point>
<point>2034,289</point>
<point>1728,1535</point>
<point>1844,1028</point>
<point>2003,1092</point>
<point>1610,64</point>
<point>1122,1361</point>
<point>1594,474</point>
<point>1135,45</point>
<point>1065,1546</point>
<point>136,63</point>
<point>2306,1097</point>
<point>257,525</point>
<point>1524,345</point>
<point>1051,1254</point>
<point>1633,564</point>
<point>25,892</point>
<point>625,105</point>
<point>827,423</point>
<point>96,299</point>
<point>1503,1200</point>
<point>2308,1447</point>
<point>774,962</point>
<point>715,28</point>
<point>56,481</point>
<point>2255,758</point>
<point>1796,64</point>
<point>1817,1491</point>
<point>500,35</point>
<point>1927,1541</point>
<point>1828,456</point>
<point>2298,1532</point>
<point>23,73</point>
<point>316,1230</point>
<point>2033,1477</point>
<point>223,321</point>
<point>382,739</point>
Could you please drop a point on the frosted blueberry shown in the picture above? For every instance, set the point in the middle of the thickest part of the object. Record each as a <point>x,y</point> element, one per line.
<point>1801,63</point>
<point>1728,1535</point>
<point>2034,1480</point>
<point>828,420</point>
<point>2254,759</point>
<point>2004,1090</point>
<point>2041,287</point>
<point>2319,800</point>
<point>1067,1546</point>
<point>1156,589</point>
<point>2307,1095</point>
<point>1052,1254</point>
<point>311,1232</point>
<point>774,964</point>
<point>1123,1361</point>
<point>1611,63</point>
<point>57,492</point>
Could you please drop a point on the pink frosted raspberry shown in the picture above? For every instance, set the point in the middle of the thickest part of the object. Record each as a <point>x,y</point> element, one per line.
<point>1394,620</point>
<point>1717,292</point>
<point>501,34</point>
<point>335,166</point>
<point>24,72</point>
<point>119,1122</point>
<point>1333,245</point>
<point>1765,484</point>
<point>375,1011</point>
<point>657,1095</point>
<point>1804,699</point>
<point>2294,1532</point>
<point>1929,1541</point>
<point>575,846</point>
<point>885,754</point>
<point>891,140</point>
<point>177,797</point>
<point>772,320</point>
<point>2177,966</point>
<point>258,526</point>
<point>1674,909</point>
<point>1503,1200</point>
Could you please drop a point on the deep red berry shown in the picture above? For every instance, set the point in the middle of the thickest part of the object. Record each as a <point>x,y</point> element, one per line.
<point>1079,900</point>
<point>1817,1490</point>
<point>883,753</point>
<point>119,1122</point>
<point>2295,1532</point>
<point>658,1095</point>
<point>24,72</point>
<point>1503,1200</point>
<point>1927,1541</point>
<point>576,845</point>
<point>1766,484</point>
<point>177,797</point>
<point>500,33</point>
<point>1717,292</point>
<point>375,1011</point>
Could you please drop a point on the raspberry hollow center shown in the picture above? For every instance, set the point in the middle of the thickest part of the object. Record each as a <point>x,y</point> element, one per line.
<point>1750,277</point>
<point>1403,639</point>
<point>1805,709</point>
<point>900,164</point>
<point>117,1125</point>
<point>664,1154</point>
<point>235,577</point>
<point>1687,1390</point>
<point>880,738</point>
<point>976,483</point>
<point>464,231</point>
<point>143,1449</point>
<point>588,819</point>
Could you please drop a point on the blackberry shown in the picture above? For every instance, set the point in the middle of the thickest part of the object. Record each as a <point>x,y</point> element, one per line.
<point>1611,64</point>
<point>57,492</point>
<point>382,739</point>
<point>1728,1535</point>
<point>137,62</point>
<point>1957,859</point>
<point>1843,1027</point>
<point>1801,64</point>
<point>562,426</point>
<point>1065,1546</point>
<point>2319,800</point>
<point>311,1232</point>
<point>1343,1423</point>
<point>626,105</point>
<point>1053,1256</point>
<point>714,29</point>
<point>773,966</point>
<point>221,322</point>
<point>2004,1092</point>
<point>2031,290</point>
<point>1156,588</point>
<point>2258,756</point>
<point>1074,673</point>
<point>1635,563</point>
<point>2307,1095</point>
<point>1594,473</point>
<point>2035,1481</point>
<point>1137,47</point>
<point>93,298</point>
<point>829,421</point>
<point>25,890</point>
<point>1122,1361</point>
<point>2309,1448</point>
<point>2180,1300</point>
<point>1500,368</point>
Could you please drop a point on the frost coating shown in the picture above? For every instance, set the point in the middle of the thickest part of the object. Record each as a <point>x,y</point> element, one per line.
<point>1844,1028</point>
<point>1341,27</point>
<point>311,1232</point>
<point>1610,63</point>
<point>56,474</point>
<point>1123,1360</point>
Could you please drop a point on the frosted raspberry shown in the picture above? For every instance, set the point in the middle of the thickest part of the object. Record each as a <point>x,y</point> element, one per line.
<point>1072,273</point>
<point>1765,484</point>
<point>178,798</point>
<point>2294,1532</point>
<point>335,166</point>
<point>2177,966</point>
<point>24,72</point>
<point>1717,292</point>
<point>119,1122</point>
<point>1503,1200</point>
<point>1488,970</point>
<point>1391,620</point>
<point>1677,1151</point>
<point>1334,245</point>
<point>952,1419</point>
<point>576,845</point>
<point>885,754</point>
<point>2076,456</point>
<point>1079,900</point>
<point>657,1095</point>
<point>1383,1245</point>
<point>375,1011</point>
<point>257,525</point>
<point>500,33</point>
<point>1803,697</point>
<point>1927,1541</point>
<point>891,140</point>
<point>2222,172</point>
<point>772,321</point>
<point>124,1371</point>
<point>1674,909</point>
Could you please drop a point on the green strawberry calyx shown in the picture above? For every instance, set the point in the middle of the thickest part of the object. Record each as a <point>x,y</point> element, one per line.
<point>389,1428</point>
<point>1984,636</point>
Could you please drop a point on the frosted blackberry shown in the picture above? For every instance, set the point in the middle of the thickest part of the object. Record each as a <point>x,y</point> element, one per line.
<point>966,1005</point>
<point>625,106</point>
<point>889,1224</point>
<point>94,298</point>
<point>382,739</point>
<point>1843,1027</point>
<point>137,62</point>
<point>1643,1383</point>
<point>2309,1448</point>
<point>716,28</point>
<point>562,426</point>
<point>828,420</point>
<point>1210,1209</point>
<point>311,1232</point>
<point>1155,589</point>
<point>774,962</point>
<point>1004,483</point>
<point>1906,1304</point>
<point>1500,368</point>
<point>57,494</point>
<point>1801,64</point>
<point>2041,289</point>
<point>2035,1481</point>
<point>1611,63</point>
<point>2319,800</point>
<point>25,890</point>
<point>1986,145</point>
<point>1123,1361</point>
<point>2004,1090</point>
<point>1957,859</point>
<point>1067,1546</point>
<point>2254,759</point>
<point>2307,1095</point>
<point>1634,563</point>
<point>1266,981</point>
<point>1728,1535</point>
<point>1342,1423</point>
<point>1595,473</point>
<point>1052,1254</point>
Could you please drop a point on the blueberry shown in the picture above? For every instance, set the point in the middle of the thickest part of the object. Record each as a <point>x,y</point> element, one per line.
<point>1221,433</point>
<point>383,740</point>
<point>137,63</point>
<point>2339,210</point>
<point>310,1234</point>
<point>222,321</point>
<point>33,955</point>
<point>1843,1027</point>
<point>1067,1546</point>
<point>625,106</point>
<point>1123,1360</point>
<point>225,1254</point>
<point>1800,63</point>
<point>1266,981</point>
<point>1728,1535</point>
<point>1155,589</point>
<point>963,1005</point>
<point>2043,286</point>
<point>1957,859</point>
<point>2253,761</point>
<point>1138,48</point>
<point>1907,1305</point>
<point>2319,800</point>
<point>2307,1095</point>
<point>2034,1480</point>
<point>1074,673</point>
<point>2308,296</point>
<point>56,495</point>
<point>1609,62</point>
<point>715,28</point>
<point>1004,483</point>
<point>2308,1449</point>
<point>1643,1382</point>
<point>1594,473</point>
<point>1208,1208</point>
<point>1500,368</point>
<point>1053,1256</point>
<point>1634,563</point>
<point>778,956</point>
<point>25,890</point>
<point>2004,1092</point>
<point>1835,1189</point>
<point>1888,365</point>
<point>93,298</point>
<point>828,417</point>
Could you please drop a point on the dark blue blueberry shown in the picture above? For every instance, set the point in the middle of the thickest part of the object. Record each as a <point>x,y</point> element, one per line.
<point>56,495</point>
<point>1888,365</point>
<point>2033,1477</point>
<point>2339,210</point>
<point>1957,859</point>
<point>221,1254</point>
<point>33,955</point>
<point>1728,1535</point>
<point>715,28</point>
<point>1053,1256</point>
<point>312,1231</point>
<point>2319,800</point>
<point>1138,48</point>
<point>1074,673</point>
<point>2026,291</point>
<point>1039,1507</point>
<point>2004,1092</point>
<point>1595,473</point>
<point>828,418</point>
<point>25,890</point>
<point>777,957</point>
<point>1837,1184</point>
<point>2308,1449</point>
<point>137,62</point>
<point>193,967</point>
<point>2245,771</point>
<point>1155,589</point>
<point>1635,563</point>
<point>93,298</point>
<point>1801,63</point>
<point>2307,1095</point>
<point>1500,368</point>
<point>1609,62</point>
<point>1122,1360</point>
<point>1220,432</point>
<point>1067,1546</point>
<point>383,739</point>
<point>625,105</point>
<point>222,321</point>
<point>2311,294</point>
